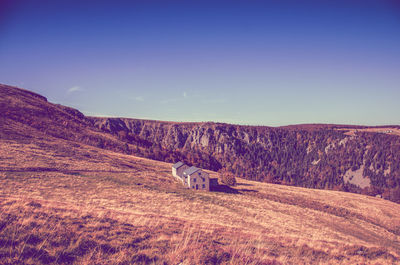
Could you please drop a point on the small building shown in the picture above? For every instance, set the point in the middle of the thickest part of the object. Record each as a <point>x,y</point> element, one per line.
<point>193,177</point>
<point>196,178</point>
<point>213,183</point>
<point>178,169</point>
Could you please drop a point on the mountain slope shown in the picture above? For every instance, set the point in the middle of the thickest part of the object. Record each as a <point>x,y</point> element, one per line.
<point>66,202</point>
<point>349,158</point>
<point>67,199</point>
<point>27,116</point>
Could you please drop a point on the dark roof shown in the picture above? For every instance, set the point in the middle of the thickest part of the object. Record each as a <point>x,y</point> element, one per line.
<point>190,171</point>
<point>178,165</point>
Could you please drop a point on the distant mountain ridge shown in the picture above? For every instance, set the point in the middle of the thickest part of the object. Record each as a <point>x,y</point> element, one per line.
<point>303,156</point>
<point>342,157</point>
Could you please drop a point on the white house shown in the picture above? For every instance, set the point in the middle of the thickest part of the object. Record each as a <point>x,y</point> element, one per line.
<point>196,178</point>
<point>178,169</point>
<point>193,177</point>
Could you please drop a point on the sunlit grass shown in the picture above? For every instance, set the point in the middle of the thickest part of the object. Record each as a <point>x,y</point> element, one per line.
<point>63,203</point>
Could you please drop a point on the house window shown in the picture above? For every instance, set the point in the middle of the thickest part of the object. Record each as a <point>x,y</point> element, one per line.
<point>194,180</point>
<point>204,179</point>
<point>204,186</point>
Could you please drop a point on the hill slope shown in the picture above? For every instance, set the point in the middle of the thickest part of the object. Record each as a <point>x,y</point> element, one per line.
<point>66,200</point>
<point>90,205</point>
<point>348,158</point>
<point>340,157</point>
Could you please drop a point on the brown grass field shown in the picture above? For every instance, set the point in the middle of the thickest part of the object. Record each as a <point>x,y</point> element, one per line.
<point>67,203</point>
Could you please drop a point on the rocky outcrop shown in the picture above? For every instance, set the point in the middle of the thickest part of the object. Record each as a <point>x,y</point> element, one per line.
<point>317,157</point>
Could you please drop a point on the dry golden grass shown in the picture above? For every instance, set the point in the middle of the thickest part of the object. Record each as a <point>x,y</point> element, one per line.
<point>62,202</point>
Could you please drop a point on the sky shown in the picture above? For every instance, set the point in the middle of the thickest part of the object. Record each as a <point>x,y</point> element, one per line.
<point>244,62</point>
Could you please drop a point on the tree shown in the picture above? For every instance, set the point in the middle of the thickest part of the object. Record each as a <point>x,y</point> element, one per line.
<point>228,178</point>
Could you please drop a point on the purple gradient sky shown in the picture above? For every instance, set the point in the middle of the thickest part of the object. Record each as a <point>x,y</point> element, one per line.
<point>247,62</point>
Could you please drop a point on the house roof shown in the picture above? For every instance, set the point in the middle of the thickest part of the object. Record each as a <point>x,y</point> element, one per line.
<point>190,171</point>
<point>178,165</point>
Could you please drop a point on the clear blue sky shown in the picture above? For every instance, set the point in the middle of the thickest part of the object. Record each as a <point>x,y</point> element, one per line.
<point>246,62</point>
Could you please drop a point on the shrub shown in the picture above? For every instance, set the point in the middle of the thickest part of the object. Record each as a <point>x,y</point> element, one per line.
<point>228,178</point>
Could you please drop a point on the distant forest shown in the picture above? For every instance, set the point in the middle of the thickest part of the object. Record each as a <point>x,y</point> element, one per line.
<point>312,158</point>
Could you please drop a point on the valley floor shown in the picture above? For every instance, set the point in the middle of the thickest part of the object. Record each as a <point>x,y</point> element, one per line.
<point>62,202</point>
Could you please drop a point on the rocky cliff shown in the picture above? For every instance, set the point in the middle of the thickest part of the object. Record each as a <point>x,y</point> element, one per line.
<point>324,156</point>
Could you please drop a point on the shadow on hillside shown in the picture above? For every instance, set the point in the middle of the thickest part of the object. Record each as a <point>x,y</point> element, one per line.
<point>65,171</point>
<point>227,189</point>
<point>243,184</point>
<point>224,188</point>
<point>246,190</point>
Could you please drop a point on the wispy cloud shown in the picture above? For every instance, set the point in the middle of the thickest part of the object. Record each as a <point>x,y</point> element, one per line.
<point>140,98</point>
<point>74,89</point>
<point>185,94</point>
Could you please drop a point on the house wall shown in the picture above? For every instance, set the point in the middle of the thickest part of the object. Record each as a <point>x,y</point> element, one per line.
<point>181,169</point>
<point>178,173</point>
<point>213,182</point>
<point>197,179</point>
<point>174,172</point>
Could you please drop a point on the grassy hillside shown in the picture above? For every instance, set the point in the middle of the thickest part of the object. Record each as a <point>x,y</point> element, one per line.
<point>64,202</point>
<point>70,196</point>
<point>335,157</point>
